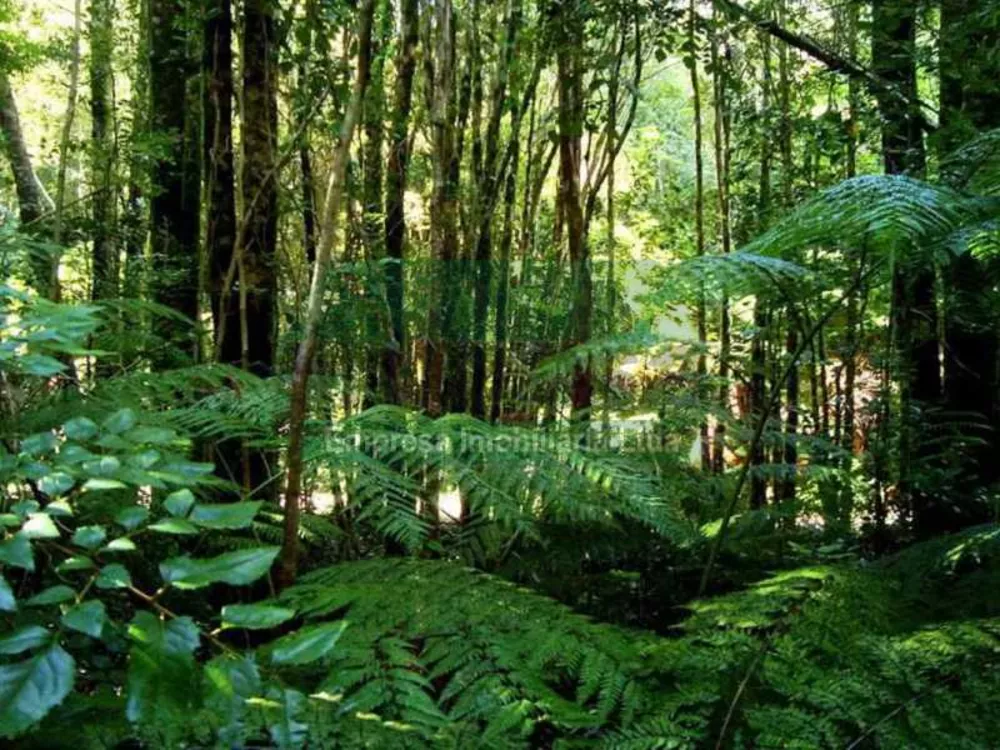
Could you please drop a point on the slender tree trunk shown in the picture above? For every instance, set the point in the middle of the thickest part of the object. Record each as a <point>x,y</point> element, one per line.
<point>699,228</point>
<point>970,103</point>
<point>33,201</point>
<point>722,157</point>
<point>329,227</point>
<point>220,229</point>
<point>914,304</point>
<point>569,51</point>
<point>105,251</point>
<point>174,205</point>
<point>395,190</point>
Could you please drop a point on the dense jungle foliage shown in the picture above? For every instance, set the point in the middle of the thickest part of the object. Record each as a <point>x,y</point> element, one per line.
<point>522,374</point>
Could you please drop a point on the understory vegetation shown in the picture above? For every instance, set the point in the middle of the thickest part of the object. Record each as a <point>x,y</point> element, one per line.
<point>453,374</point>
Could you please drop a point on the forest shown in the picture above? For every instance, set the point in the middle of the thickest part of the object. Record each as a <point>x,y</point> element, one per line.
<point>499,374</point>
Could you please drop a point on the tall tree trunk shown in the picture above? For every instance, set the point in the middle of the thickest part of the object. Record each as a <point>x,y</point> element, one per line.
<point>105,251</point>
<point>329,225</point>
<point>258,279</point>
<point>444,219</point>
<point>33,201</point>
<point>699,228</point>
<point>220,227</point>
<point>395,190</point>
<point>373,216</point>
<point>722,157</point>
<point>970,103</point>
<point>914,304</point>
<point>174,205</point>
<point>569,23</point>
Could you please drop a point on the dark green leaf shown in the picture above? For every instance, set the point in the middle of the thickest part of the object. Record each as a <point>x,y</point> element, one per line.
<point>161,670</point>
<point>56,483</point>
<point>25,639</point>
<point>30,689</point>
<point>133,517</point>
<point>114,576</point>
<point>75,563</point>
<point>87,617</point>
<point>36,445</point>
<point>120,421</point>
<point>16,551</point>
<point>89,537</point>
<point>80,428</point>
<point>52,595</point>
<point>179,503</point>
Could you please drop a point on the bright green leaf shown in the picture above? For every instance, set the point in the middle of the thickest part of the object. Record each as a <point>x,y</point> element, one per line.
<point>40,526</point>
<point>75,563</point>
<point>8,603</point>
<point>225,515</point>
<point>121,544</point>
<point>235,568</point>
<point>255,616</point>
<point>174,526</point>
<point>309,644</point>
<point>161,669</point>
<point>56,483</point>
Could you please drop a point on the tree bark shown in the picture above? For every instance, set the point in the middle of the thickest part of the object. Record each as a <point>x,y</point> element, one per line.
<point>174,205</point>
<point>104,254</point>
<point>395,191</point>
<point>329,227</point>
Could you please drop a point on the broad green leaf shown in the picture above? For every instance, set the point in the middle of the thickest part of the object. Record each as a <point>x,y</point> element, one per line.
<point>235,568</point>
<point>89,537</point>
<point>16,551</point>
<point>231,682</point>
<point>52,595</point>
<point>174,526</point>
<point>152,435</point>
<point>40,365</point>
<point>120,421</point>
<point>121,544</point>
<point>39,443</point>
<point>87,617</point>
<point>286,731</point>
<point>133,517</point>
<point>59,509</point>
<point>255,616</point>
<point>24,508</point>
<point>80,428</point>
<point>308,644</point>
<point>25,639</point>
<point>114,576</point>
<point>75,563</point>
<point>100,485</point>
<point>161,671</point>
<point>32,688</point>
<point>225,515</point>
<point>105,466</point>
<point>74,454</point>
<point>40,526</point>
<point>179,503</point>
<point>56,483</point>
<point>10,520</point>
<point>8,603</point>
